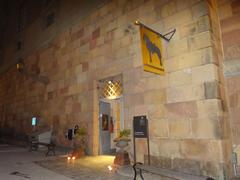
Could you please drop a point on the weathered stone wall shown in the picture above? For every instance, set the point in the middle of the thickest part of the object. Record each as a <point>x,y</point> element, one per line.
<point>33,18</point>
<point>193,110</point>
<point>185,107</point>
<point>229,13</point>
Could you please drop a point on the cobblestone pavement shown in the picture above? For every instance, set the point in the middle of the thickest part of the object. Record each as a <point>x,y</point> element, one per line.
<point>90,168</point>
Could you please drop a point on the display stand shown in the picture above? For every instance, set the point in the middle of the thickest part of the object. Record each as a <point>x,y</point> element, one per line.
<point>140,130</point>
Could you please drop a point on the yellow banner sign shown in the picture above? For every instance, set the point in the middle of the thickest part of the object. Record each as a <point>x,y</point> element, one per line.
<point>151,51</point>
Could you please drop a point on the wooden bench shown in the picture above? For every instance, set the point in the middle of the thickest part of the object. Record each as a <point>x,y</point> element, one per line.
<point>139,168</point>
<point>34,145</point>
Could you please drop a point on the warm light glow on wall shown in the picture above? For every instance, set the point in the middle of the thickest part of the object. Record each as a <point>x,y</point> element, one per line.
<point>112,90</point>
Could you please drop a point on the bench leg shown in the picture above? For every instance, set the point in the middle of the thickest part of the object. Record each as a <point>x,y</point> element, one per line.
<point>47,153</point>
<point>30,147</point>
<point>135,172</point>
<point>141,174</point>
<point>51,149</point>
<point>54,151</point>
<point>33,147</point>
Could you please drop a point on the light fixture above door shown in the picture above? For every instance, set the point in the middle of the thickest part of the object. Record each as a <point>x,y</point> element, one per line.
<point>111,88</point>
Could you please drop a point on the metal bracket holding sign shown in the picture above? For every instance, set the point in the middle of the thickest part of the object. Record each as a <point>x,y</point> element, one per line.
<point>165,36</point>
<point>140,130</point>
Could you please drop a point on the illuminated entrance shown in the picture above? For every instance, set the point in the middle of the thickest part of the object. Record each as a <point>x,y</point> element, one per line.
<point>110,114</point>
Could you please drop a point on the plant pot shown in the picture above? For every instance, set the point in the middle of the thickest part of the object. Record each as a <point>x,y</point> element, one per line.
<point>79,152</point>
<point>122,143</point>
<point>122,157</point>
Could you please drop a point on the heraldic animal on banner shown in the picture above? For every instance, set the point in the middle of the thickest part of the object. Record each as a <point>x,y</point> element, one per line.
<point>152,48</point>
<point>151,51</point>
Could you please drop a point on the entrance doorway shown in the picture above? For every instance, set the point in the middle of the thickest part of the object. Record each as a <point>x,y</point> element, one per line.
<point>110,98</point>
<point>110,123</point>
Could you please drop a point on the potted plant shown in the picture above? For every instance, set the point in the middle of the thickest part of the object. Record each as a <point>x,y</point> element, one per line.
<point>122,156</point>
<point>123,138</point>
<point>79,142</point>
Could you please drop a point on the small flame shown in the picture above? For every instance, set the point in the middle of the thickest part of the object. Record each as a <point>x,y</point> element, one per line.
<point>73,158</point>
<point>110,168</point>
<point>69,158</point>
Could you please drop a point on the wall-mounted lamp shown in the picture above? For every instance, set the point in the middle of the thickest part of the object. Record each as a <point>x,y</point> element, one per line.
<point>20,66</point>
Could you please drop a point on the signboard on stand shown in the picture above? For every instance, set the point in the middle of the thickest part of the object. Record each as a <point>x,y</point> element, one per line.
<point>140,130</point>
<point>140,127</point>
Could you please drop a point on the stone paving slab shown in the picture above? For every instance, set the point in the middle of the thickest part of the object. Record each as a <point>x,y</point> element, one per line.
<point>17,164</point>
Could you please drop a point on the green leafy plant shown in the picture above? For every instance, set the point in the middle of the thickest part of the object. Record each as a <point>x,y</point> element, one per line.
<point>125,133</point>
<point>80,142</point>
<point>80,137</point>
<point>81,132</point>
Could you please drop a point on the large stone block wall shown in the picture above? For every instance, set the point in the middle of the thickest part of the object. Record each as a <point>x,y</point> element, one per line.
<point>185,107</point>
<point>229,14</point>
<point>190,127</point>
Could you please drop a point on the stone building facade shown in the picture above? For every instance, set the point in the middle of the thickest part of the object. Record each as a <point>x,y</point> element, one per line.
<point>193,109</point>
